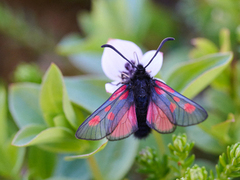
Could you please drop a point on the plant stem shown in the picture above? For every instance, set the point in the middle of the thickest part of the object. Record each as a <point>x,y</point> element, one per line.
<point>94,168</point>
<point>160,142</point>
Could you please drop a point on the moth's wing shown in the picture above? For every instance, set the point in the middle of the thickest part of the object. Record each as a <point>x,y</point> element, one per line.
<point>157,119</point>
<point>178,109</point>
<point>107,117</point>
<point>126,126</point>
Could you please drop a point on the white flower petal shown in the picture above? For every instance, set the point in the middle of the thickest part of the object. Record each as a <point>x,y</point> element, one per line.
<point>156,63</point>
<point>113,86</point>
<point>112,63</point>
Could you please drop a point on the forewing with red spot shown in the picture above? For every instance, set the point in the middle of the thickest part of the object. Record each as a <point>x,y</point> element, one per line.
<point>111,119</point>
<point>178,109</point>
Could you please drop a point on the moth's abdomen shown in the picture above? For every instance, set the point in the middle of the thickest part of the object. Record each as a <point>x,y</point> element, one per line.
<point>143,129</point>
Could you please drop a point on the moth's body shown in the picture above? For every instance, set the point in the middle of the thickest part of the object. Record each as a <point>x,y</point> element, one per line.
<point>139,84</point>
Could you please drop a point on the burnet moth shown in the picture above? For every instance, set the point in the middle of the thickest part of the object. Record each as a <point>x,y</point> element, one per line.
<point>139,105</point>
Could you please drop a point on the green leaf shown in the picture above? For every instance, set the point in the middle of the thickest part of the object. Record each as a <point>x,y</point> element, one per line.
<point>103,145</point>
<point>71,170</point>
<point>72,116</point>
<point>24,104</point>
<point>11,159</point>
<point>56,139</point>
<point>3,115</point>
<point>204,141</point>
<point>192,77</point>
<point>61,121</point>
<point>221,131</point>
<point>117,158</point>
<point>225,41</point>
<point>203,47</point>
<point>88,92</point>
<point>54,100</point>
<point>51,94</point>
<point>44,165</point>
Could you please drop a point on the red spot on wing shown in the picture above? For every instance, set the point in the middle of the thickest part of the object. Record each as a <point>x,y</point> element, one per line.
<point>124,96</point>
<point>94,121</point>
<point>117,93</point>
<point>158,119</point>
<point>126,125</point>
<point>176,99</point>
<point>107,108</point>
<point>111,116</point>
<point>165,87</point>
<point>159,91</point>
<point>189,108</point>
<point>172,107</point>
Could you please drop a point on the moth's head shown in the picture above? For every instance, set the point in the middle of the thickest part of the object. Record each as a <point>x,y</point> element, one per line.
<point>141,68</point>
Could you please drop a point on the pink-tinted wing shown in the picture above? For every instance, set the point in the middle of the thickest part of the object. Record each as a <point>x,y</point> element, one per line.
<point>106,118</point>
<point>126,126</point>
<point>157,119</point>
<point>178,109</point>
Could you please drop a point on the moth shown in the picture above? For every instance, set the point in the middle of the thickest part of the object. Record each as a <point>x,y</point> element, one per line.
<point>139,105</point>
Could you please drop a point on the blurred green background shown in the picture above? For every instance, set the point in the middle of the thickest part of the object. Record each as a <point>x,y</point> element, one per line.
<point>51,79</point>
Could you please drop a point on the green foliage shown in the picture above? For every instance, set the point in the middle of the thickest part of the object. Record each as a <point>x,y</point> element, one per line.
<point>209,17</point>
<point>11,157</point>
<point>55,117</point>
<point>151,165</point>
<point>197,173</point>
<point>229,163</point>
<point>180,163</point>
<point>179,151</point>
<point>194,76</point>
<point>222,101</point>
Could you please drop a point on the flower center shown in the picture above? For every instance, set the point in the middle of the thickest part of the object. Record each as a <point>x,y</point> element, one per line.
<point>125,75</point>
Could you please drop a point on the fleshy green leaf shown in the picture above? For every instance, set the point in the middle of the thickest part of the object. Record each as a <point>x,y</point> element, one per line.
<point>51,94</point>
<point>40,163</point>
<point>192,77</point>
<point>203,47</point>
<point>123,152</point>
<point>71,170</point>
<point>56,139</point>
<point>221,130</point>
<point>54,100</point>
<point>225,41</point>
<point>24,104</point>
<point>103,145</point>
<point>61,121</point>
<point>11,159</point>
<point>72,116</point>
<point>204,141</point>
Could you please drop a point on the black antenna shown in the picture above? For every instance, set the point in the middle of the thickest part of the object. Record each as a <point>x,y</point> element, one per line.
<point>110,46</point>
<point>159,47</point>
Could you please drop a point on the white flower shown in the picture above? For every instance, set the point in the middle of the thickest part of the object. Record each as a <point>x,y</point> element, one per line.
<point>117,68</point>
